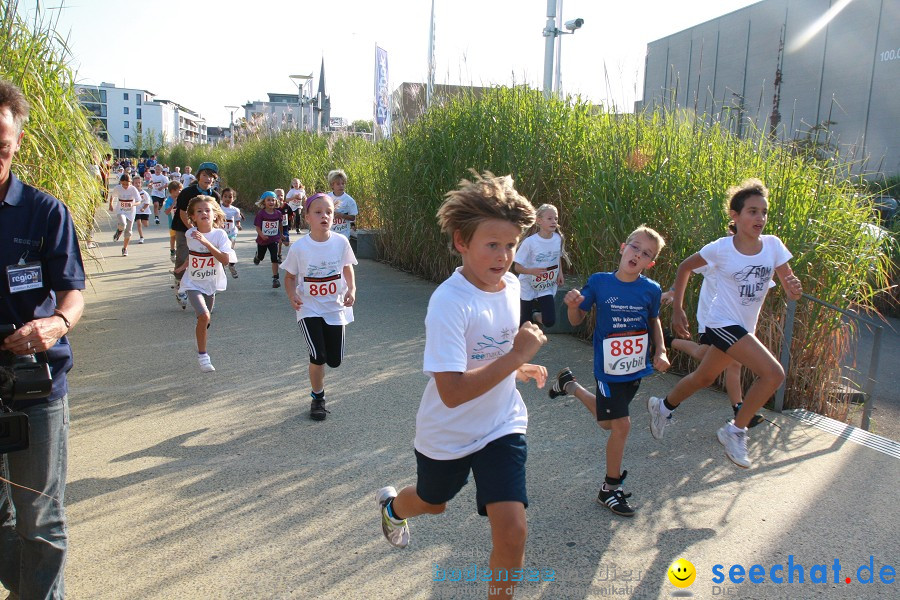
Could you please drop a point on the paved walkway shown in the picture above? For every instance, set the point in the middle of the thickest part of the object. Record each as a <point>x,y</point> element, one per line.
<point>192,485</point>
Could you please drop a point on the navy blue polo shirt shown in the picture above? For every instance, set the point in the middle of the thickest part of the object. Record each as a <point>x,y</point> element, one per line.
<point>36,227</point>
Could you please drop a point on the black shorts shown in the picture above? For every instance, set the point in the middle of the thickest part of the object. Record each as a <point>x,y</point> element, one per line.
<point>499,470</point>
<point>705,339</point>
<point>271,248</point>
<point>546,305</point>
<point>724,338</point>
<point>324,342</point>
<point>613,398</point>
<point>157,200</point>
<point>142,218</point>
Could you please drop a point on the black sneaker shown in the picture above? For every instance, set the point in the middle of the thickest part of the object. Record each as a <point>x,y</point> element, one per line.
<point>563,378</point>
<point>317,410</point>
<point>276,283</point>
<point>117,235</point>
<point>754,421</point>
<point>157,220</point>
<point>616,501</point>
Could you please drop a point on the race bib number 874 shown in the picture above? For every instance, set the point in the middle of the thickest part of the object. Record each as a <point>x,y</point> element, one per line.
<point>625,354</point>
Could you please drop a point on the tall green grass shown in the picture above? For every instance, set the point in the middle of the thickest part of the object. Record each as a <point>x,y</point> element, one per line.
<point>59,147</point>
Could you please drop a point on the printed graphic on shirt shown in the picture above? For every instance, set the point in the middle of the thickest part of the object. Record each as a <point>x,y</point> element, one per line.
<point>753,283</point>
<point>495,346</point>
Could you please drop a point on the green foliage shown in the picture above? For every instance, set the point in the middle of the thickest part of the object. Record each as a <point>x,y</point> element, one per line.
<point>59,147</point>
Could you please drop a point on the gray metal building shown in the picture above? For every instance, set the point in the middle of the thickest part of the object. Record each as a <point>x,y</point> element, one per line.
<point>838,62</point>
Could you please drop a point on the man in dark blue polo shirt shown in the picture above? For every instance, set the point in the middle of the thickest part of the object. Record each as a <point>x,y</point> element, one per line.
<point>40,293</point>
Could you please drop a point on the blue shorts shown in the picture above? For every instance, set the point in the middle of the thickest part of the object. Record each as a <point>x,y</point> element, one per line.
<point>614,397</point>
<point>499,470</point>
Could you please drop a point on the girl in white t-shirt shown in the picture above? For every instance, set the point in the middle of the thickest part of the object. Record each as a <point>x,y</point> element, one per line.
<point>128,198</point>
<point>539,265</point>
<point>743,266</point>
<point>204,275</point>
<point>295,198</point>
<point>321,286</point>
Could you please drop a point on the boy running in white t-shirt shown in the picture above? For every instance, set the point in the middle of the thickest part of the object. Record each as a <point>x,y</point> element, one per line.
<point>743,265</point>
<point>233,218</point>
<point>472,417</point>
<point>127,197</point>
<point>208,250</point>
<point>321,286</point>
<point>295,199</point>
<point>144,209</point>
<point>345,209</point>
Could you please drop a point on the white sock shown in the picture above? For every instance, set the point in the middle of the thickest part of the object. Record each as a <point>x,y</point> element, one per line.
<point>732,428</point>
<point>202,355</point>
<point>663,410</point>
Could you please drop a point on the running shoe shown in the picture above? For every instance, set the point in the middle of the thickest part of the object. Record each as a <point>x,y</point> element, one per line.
<point>317,410</point>
<point>616,501</point>
<point>395,532</point>
<point>172,255</point>
<point>256,260</point>
<point>124,251</point>
<point>205,363</point>
<point>182,298</point>
<point>141,241</point>
<point>157,220</point>
<point>233,270</point>
<point>735,443</point>
<point>754,420</point>
<point>563,378</point>
<point>117,235</point>
<point>276,283</point>
<point>657,421</point>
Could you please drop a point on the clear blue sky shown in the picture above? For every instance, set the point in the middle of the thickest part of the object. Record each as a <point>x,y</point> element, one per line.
<point>206,54</point>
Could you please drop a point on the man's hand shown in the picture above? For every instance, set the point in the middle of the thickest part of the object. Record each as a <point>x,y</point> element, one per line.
<point>35,336</point>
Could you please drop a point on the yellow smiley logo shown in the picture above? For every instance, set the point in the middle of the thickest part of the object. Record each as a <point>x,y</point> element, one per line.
<point>682,573</point>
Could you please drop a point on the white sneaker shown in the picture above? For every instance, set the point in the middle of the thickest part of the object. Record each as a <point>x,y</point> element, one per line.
<point>735,443</point>
<point>397,534</point>
<point>124,251</point>
<point>657,421</point>
<point>205,363</point>
<point>182,299</point>
<point>141,241</point>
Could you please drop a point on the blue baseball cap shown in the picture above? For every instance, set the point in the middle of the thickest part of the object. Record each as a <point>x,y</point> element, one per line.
<point>208,166</point>
<point>266,195</point>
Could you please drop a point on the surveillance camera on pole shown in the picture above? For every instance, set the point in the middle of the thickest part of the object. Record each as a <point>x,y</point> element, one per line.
<point>574,24</point>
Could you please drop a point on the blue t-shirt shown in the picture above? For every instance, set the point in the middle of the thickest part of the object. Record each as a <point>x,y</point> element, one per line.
<point>622,332</point>
<point>166,206</point>
<point>35,227</point>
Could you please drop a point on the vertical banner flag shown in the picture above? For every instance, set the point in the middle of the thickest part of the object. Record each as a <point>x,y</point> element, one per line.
<point>382,93</point>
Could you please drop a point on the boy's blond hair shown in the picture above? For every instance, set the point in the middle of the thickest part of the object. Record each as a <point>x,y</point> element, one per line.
<point>650,233</point>
<point>332,175</point>
<point>218,213</point>
<point>486,197</point>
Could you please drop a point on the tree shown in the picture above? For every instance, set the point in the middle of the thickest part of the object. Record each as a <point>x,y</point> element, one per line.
<point>361,126</point>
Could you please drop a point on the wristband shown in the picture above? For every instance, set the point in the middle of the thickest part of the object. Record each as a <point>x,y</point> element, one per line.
<point>59,313</point>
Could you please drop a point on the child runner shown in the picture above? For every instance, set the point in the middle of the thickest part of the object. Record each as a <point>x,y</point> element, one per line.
<point>286,216</point>
<point>296,197</point>
<point>144,210</point>
<point>627,328</point>
<point>539,264</point>
<point>128,198</point>
<point>159,181</point>
<point>321,286</point>
<point>733,386</point>
<point>344,205</point>
<point>208,250</point>
<point>268,232</point>
<point>471,416</point>
<point>172,191</point>
<point>233,218</point>
<point>743,266</point>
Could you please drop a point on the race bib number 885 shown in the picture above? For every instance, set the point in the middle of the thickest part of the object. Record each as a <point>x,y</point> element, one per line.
<point>625,354</point>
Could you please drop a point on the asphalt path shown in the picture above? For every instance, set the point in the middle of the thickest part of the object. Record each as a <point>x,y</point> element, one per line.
<point>185,484</point>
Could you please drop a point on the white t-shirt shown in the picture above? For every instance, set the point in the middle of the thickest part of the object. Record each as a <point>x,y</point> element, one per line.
<point>187,179</point>
<point>319,268</point>
<point>232,216</point>
<point>158,185</point>
<point>127,200</point>
<point>145,206</point>
<point>741,281</point>
<point>343,204</point>
<point>707,293</point>
<point>467,328</point>
<point>295,198</point>
<point>204,273</point>
<point>537,252</point>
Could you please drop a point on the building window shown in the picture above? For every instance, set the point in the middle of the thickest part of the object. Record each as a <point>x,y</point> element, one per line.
<point>138,113</point>
<point>126,125</point>
<point>125,96</point>
<point>126,110</point>
<point>138,99</point>
<point>127,138</point>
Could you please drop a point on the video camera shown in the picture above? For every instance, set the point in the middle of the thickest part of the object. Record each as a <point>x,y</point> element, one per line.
<point>21,378</point>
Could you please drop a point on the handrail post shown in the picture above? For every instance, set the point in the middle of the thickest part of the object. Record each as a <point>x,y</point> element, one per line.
<point>786,352</point>
<point>873,376</point>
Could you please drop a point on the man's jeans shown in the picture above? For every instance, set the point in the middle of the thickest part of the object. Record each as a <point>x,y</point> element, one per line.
<point>33,533</point>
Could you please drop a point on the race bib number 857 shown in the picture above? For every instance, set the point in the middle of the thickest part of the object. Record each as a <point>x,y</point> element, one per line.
<point>625,354</point>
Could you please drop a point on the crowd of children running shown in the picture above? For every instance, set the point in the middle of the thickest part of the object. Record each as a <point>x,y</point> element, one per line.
<point>471,416</point>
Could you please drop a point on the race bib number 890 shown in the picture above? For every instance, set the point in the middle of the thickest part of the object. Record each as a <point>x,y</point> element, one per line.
<point>625,354</point>
<point>545,280</point>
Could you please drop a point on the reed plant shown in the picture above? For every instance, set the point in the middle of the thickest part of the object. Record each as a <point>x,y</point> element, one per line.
<point>59,146</point>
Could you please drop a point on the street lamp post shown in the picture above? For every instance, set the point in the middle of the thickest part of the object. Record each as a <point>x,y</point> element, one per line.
<point>302,81</point>
<point>551,33</point>
<point>231,125</point>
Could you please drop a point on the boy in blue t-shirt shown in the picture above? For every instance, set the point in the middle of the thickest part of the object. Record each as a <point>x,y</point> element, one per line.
<point>627,328</point>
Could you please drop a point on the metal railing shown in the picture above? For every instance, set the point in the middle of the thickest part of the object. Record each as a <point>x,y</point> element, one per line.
<point>869,390</point>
